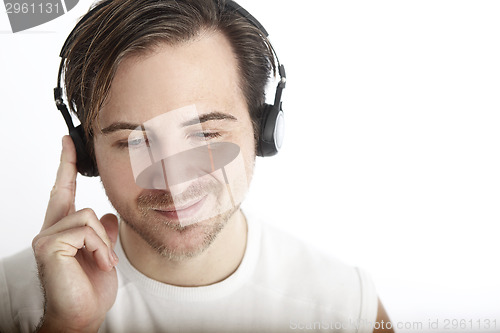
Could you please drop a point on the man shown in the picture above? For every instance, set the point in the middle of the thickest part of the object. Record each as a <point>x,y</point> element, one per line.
<point>170,95</point>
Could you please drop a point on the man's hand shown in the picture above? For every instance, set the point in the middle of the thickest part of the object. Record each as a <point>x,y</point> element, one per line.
<point>75,257</point>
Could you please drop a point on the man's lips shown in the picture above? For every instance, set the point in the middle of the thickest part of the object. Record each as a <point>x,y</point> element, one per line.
<point>183,211</point>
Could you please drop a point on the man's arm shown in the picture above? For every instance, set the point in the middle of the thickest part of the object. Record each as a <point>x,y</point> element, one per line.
<point>382,320</point>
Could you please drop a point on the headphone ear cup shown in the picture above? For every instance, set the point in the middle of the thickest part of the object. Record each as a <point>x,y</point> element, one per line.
<point>271,131</point>
<point>84,162</point>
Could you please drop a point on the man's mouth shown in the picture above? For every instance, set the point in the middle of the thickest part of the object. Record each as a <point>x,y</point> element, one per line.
<point>182,211</point>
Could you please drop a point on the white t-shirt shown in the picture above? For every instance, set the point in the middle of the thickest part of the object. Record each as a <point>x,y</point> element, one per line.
<point>281,285</point>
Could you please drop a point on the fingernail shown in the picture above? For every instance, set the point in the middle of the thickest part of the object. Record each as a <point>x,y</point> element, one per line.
<point>114,255</point>
<point>113,258</point>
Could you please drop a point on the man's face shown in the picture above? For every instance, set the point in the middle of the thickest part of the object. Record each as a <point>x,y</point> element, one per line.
<point>164,108</point>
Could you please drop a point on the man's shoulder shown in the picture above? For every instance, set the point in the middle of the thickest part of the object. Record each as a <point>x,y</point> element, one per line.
<point>21,298</point>
<point>303,279</point>
<point>288,250</point>
<point>305,272</point>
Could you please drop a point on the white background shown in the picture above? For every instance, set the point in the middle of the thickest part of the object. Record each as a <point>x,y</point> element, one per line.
<point>391,159</point>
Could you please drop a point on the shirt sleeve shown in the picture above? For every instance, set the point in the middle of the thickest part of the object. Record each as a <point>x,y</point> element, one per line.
<point>21,298</point>
<point>369,302</point>
<point>6,322</point>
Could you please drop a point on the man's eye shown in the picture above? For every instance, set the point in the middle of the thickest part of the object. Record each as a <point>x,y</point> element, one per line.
<point>135,142</point>
<point>132,143</point>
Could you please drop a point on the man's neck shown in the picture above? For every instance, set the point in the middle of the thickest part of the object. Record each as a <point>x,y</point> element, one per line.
<point>215,264</point>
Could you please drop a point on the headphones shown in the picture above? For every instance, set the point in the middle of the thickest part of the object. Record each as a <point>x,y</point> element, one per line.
<point>272,118</point>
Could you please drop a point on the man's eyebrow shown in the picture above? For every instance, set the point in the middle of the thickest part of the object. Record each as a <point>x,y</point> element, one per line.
<point>209,116</point>
<point>120,126</point>
<point>114,127</point>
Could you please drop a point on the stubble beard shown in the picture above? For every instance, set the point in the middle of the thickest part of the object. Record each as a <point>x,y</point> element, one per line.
<point>210,229</point>
<point>150,226</point>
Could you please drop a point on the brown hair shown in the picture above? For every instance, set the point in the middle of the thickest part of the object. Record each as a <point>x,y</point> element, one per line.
<point>132,27</point>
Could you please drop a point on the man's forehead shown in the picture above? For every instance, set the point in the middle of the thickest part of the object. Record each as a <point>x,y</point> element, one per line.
<point>177,117</point>
<point>207,59</point>
<point>202,72</point>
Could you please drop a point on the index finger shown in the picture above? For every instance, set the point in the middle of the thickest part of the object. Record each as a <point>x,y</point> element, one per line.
<point>62,196</point>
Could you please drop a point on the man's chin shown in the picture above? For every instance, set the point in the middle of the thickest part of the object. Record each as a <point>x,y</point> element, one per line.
<point>176,242</point>
<point>190,242</point>
<point>179,243</point>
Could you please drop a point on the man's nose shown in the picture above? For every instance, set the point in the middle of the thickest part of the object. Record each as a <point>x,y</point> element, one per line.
<point>177,169</point>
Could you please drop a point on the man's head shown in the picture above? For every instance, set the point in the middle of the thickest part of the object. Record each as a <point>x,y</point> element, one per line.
<point>135,61</point>
<point>124,28</point>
